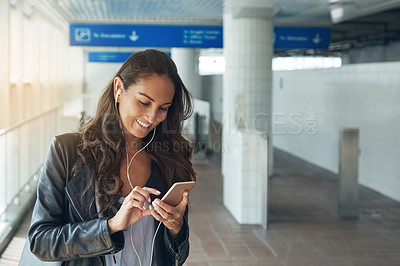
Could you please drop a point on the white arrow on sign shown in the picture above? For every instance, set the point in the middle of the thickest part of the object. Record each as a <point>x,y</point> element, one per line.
<point>133,37</point>
<point>317,39</point>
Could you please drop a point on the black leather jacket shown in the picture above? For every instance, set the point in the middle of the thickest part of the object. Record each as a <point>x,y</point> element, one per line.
<point>62,228</point>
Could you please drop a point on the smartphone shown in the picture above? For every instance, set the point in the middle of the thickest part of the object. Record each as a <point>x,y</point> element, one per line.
<point>175,194</point>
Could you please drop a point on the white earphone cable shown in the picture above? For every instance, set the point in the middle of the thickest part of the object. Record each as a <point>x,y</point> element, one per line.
<point>130,183</point>
<point>152,244</point>
<point>133,157</point>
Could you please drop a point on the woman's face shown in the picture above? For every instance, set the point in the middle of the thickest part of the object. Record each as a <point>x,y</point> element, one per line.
<point>145,104</point>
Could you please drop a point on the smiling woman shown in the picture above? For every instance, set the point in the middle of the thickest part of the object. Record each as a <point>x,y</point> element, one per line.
<point>144,105</point>
<point>95,206</point>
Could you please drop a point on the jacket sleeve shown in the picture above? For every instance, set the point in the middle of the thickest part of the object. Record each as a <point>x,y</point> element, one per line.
<point>178,249</point>
<point>51,237</point>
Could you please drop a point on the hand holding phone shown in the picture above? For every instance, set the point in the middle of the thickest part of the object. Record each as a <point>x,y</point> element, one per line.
<point>175,193</point>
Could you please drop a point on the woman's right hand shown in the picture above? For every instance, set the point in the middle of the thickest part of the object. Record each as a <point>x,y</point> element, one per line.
<point>132,209</point>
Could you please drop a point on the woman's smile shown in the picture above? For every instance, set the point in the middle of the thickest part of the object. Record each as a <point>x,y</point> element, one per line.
<point>143,124</point>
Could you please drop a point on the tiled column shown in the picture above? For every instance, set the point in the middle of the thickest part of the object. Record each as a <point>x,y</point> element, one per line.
<point>187,62</point>
<point>247,104</point>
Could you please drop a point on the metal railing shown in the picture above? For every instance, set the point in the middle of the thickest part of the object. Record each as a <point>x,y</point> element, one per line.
<point>22,151</point>
<point>23,148</point>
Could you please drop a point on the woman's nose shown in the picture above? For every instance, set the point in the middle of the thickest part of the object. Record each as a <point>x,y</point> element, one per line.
<point>152,117</point>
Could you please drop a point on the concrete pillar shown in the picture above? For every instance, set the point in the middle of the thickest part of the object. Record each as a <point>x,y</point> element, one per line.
<point>348,173</point>
<point>247,105</point>
<point>187,62</point>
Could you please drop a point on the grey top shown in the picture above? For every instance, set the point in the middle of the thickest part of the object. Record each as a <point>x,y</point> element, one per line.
<point>141,233</point>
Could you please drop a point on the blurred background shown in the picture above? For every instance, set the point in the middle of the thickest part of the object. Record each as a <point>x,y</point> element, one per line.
<point>296,117</point>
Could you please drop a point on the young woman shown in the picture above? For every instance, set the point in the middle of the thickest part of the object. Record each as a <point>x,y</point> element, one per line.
<point>99,193</point>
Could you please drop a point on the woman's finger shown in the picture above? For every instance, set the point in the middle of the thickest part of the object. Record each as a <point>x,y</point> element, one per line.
<point>164,214</point>
<point>155,214</point>
<point>143,192</point>
<point>146,212</point>
<point>134,196</point>
<point>185,200</point>
<point>146,191</point>
<point>135,203</point>
<point>152,190</point>
<point>165,206</point>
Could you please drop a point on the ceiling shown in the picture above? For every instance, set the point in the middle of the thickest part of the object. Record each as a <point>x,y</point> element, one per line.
<point>376,29</point>
<point>354,22</point>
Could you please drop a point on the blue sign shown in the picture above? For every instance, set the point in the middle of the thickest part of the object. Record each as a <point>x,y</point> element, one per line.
<point>146,35</point>
<point>111,57</point>
<point>302,37</point>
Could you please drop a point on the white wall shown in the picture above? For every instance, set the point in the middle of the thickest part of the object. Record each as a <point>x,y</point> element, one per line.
<point>39,73</point>
<point>97,77</point>
<point>365,96</point>
<point>4,61</point>
<point>211,91</point>
<point>38,70</point>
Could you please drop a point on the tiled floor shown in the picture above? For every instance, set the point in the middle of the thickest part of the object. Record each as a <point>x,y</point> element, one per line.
<point>303,224</point>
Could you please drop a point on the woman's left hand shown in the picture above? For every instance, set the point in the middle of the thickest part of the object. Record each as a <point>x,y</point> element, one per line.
<point>170,216</point>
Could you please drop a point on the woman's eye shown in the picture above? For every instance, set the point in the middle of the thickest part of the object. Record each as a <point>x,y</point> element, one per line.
<point>145,104</point>
<point>164,108</point>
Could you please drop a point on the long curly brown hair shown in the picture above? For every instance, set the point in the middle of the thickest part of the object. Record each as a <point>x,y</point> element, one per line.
<point>102,144</point>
